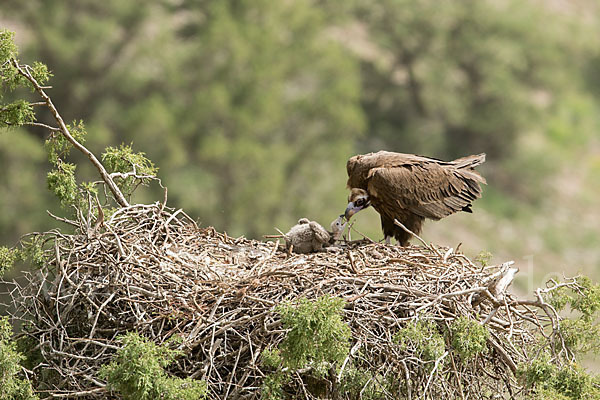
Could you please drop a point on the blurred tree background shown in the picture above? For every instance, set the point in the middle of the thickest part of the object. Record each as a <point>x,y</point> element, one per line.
<point>251,109</point>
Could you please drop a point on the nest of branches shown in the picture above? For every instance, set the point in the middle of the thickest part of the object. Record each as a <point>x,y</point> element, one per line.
<point>150,269</point>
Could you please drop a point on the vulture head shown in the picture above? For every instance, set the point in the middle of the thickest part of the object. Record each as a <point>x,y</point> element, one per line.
<point>358,200</point>
<point>337,228</point>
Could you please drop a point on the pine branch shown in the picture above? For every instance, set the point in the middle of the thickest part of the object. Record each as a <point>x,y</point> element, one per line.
<point>119,197</point>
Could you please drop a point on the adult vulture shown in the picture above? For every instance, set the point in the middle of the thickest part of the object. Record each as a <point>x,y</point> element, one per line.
<point>410,188</point>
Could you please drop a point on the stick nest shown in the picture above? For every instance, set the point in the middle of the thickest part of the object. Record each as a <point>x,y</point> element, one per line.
<point>151,269</point>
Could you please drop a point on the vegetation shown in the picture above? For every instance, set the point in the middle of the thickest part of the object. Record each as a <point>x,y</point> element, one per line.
<point>12,386</point>
<point>547,381</point>
<point>583,333</point>
<point>317,335</point>
<point>7,259</point>
<point>260,103</point>
<point>423,339</point>
<point>137,373</point>
<point>317,339</point>
<point>469,338</point>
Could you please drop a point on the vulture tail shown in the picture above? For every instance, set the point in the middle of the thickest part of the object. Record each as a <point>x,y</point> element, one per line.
<point>469,161</point>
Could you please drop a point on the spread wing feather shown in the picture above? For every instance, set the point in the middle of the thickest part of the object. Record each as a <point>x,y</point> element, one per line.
<point>429,189</point>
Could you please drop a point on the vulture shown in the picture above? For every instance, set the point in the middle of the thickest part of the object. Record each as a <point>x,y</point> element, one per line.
<point>308,236</point>
<point>410,188</point>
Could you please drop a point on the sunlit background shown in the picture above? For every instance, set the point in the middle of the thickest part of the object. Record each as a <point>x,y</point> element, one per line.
<point>251,109</point>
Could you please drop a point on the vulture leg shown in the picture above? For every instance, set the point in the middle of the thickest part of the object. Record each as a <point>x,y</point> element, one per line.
<point>388,228</point>
<point>402,237</point>
<point>411,221</point>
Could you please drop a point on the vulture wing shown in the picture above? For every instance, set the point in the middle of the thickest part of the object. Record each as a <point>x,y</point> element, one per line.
<point>429,189</point>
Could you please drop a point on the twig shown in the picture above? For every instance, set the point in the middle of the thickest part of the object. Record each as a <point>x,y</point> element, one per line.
<point>398,223</point>
<point>435,367</point>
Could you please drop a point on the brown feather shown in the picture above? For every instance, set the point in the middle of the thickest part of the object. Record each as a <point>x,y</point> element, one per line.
<point>411,188</point>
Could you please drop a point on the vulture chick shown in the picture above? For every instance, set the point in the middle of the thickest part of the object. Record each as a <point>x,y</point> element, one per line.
<point>410,188</point>
<point>337,228</point>
<point>308,236</point>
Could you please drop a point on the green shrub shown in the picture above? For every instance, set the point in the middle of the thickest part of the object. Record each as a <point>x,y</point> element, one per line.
<point>469,338</point>
<point>539,371</point>
<point>61,182</point>
<point>271,358</point>
<point>548,381</point>
<point>363,384</point>
<point>11,386</point>
<point>573,382</point>
<point>137,373</point>
<point>7,259</point>
<point>272,387</point>
<point>423,339</point>
<point>548,394</point>
<point>581,334</point>
<point>317,334</point>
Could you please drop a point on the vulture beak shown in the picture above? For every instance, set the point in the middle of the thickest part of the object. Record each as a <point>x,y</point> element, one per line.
<point>351,210</point>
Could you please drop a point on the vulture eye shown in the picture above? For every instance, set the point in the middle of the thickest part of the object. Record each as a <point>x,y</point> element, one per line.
<point>360,202</point>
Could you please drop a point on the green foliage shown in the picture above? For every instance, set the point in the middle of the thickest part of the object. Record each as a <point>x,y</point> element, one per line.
<point>8,74</point>
<point>545,379</point>
<point>123,160</point>
<point>484,257</point>
<point>137,373</point>
<point>317,338</point>
<point>58,147</point>
<point>581,335</point>
<point>469,338</point>
<point>40,73</point>
<point>575,383</point>
<point>272,387</point>
<point>582,332</point>
<point>361,384</point>
<point>587,302</point>
<point>61,181</point>
<point>8,49</point>
<point>7,259</point>
<point>19,112</point>
<point>538,371</point>
<point>15,114</point>
<point>423,339</point>
<point>11,386</point>
<point>271,358</point>
<point>317,334</point>
<point>33,251</point>
<point>91,188</point>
